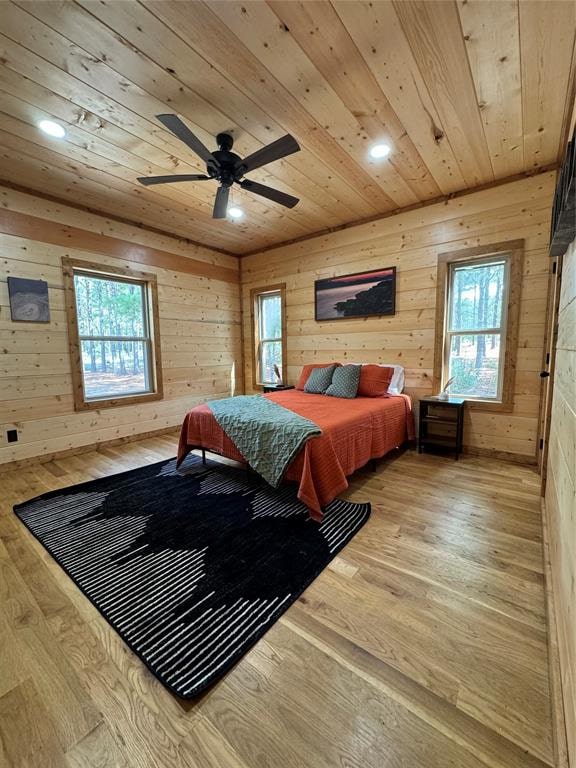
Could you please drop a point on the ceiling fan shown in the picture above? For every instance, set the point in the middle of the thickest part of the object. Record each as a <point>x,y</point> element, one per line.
<point>227,168</point>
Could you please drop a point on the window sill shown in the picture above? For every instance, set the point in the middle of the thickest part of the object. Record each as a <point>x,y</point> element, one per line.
<point>96,405</point>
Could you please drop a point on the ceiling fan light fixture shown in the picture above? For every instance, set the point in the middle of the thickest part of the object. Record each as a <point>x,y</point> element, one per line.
<point>378,151</point>
<point>52,128</point>
<point>235,212</point>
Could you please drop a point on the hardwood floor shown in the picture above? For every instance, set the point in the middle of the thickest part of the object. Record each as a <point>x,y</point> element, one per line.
<point>423,645</point>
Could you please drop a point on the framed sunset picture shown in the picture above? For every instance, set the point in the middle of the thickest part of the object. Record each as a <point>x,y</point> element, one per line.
<point>358,295</point>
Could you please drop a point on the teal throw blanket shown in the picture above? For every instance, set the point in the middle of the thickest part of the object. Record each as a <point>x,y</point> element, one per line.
<point>265,433</point>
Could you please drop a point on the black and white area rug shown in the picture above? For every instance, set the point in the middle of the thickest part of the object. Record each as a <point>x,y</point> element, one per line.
<point>190,566</point>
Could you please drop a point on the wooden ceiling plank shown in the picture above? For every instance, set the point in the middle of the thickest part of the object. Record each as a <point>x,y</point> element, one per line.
<point>75,24</point>
<point>90,101</point>
<point>547,33</point>
<point>77,60</point>
<point>433,30</point>
<point>304,173</point>
<point>69,187</point>
<point>96,153</point>
<point>68,184</point>
<point>319,31</point>
<point>301,172</point>
<point>58,106</point>
<point>378,35</point>
<point>203,30</point>
<point>11,45</point>
<point>264,35</point>
<point>491,33</point>
<point>198,216</point>
<point>59,89</point>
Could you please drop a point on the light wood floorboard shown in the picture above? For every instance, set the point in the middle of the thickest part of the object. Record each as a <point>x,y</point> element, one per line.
<point>422,645</point>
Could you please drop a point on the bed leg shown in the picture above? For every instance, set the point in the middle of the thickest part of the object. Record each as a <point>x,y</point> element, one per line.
<point>373,465</point>
<point>203,457</point>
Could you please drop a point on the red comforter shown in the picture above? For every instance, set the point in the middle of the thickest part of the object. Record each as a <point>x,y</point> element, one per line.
<point>353,432</point>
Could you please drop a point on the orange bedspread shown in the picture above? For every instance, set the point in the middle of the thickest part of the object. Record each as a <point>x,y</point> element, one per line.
<point>353,432</point>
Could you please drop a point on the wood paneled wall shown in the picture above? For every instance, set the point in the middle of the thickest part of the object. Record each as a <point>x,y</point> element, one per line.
<point>200,328</point>
<point>411,241</point>
<point>561,492</point>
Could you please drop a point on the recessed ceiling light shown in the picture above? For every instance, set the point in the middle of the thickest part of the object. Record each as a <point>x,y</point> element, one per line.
<point>52,128</point>
<point>379,150</point>
<point>235,212</point>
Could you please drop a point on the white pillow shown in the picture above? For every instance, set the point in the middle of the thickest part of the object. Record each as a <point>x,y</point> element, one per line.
<point>396,386</point>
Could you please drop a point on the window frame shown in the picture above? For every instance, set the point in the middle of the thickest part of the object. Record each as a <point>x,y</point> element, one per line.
<point>255,295</point>
<point>148,281</point>
<point>513,250</point>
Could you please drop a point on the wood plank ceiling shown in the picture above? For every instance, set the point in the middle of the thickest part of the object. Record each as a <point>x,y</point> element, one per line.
<point>465,92</point>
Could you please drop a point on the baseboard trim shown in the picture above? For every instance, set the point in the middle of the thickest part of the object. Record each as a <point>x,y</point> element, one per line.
<point>45,458</point>
<point>515,458</point>
<point>559,734</point>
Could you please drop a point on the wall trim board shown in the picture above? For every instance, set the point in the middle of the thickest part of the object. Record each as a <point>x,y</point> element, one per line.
<point>45,458</point>
<point>514,458</point>
<point>112,217</point>
<point>406,209</point>
<point>46,231</point>
<point>559,727</point>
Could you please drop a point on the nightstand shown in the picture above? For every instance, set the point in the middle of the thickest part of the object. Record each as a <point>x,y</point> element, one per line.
<point>441,424</point>
<point>276,387</point>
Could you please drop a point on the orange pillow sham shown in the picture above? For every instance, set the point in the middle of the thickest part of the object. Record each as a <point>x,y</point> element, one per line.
<point>374,381</point>
<point>307,370</point>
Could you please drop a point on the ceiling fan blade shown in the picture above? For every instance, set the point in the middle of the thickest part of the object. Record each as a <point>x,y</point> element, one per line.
<point>272,194</point>
<point>221,203</point>
<point>181,130</point>
<point>149,180</point>
<point>275,151</point>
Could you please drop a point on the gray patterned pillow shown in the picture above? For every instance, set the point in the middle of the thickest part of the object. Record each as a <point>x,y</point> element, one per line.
<point>345,382</point>
<point>319,380</point>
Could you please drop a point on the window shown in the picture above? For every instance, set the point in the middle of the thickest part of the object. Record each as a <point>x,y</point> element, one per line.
<point>478,305</point>
<point>269,335</point>
<point>113,328</point>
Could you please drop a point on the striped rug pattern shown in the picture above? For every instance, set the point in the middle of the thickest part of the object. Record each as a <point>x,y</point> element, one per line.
<point>190,566</point>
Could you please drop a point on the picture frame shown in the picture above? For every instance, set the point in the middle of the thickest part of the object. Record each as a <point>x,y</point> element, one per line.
<point>29,302</point>
<point>359,294</point>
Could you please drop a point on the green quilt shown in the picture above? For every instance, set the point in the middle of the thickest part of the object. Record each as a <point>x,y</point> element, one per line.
<point>265,433</point>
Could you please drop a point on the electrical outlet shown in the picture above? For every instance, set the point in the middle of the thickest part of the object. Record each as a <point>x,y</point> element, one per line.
<point>12,435</point>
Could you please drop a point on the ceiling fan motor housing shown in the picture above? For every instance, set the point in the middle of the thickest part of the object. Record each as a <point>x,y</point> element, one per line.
<point>229,168</point>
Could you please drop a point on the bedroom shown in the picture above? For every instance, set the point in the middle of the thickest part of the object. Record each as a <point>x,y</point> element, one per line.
<point>387,577</point>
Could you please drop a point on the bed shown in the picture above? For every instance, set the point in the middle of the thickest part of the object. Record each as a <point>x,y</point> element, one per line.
<point>353,432</point>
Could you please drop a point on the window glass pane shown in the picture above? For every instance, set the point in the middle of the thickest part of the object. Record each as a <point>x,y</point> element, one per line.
<point>114,368</point>
<point>476,296</point>
<point>474,363</point>
<point>270,317</point>
<point>271,354</point>
<point>109,307</point>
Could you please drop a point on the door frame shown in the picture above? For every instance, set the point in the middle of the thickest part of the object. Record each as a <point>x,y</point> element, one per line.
<point>548,365</point>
